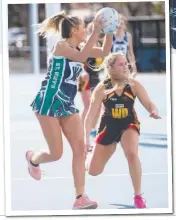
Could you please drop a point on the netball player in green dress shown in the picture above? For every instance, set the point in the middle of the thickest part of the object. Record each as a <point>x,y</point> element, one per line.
<point>54,104</point>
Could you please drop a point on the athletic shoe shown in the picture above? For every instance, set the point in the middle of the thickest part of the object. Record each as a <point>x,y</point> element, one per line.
<point>139,202</point>
<point>35,172</point>
<point>84,203</point>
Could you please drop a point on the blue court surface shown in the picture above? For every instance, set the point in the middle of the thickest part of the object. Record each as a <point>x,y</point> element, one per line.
<point>112,189</point>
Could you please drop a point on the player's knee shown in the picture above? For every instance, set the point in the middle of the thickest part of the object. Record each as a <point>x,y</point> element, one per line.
<point>56,155</point>
<point>94,172</point>
<point>79,148</point>
<point>132,156</point>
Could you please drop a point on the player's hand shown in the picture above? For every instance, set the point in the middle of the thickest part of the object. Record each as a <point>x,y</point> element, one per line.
<point>96,25</point>
<point>154,114</point>
<point>99,24</point>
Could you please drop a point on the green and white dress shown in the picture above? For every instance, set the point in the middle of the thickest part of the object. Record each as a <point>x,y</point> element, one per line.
<point>59,88</point>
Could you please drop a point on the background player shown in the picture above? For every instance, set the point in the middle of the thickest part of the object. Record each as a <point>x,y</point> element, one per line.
<point>122,41</point>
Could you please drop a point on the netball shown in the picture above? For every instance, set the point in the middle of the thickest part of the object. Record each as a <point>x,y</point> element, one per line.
<point>111,17</point>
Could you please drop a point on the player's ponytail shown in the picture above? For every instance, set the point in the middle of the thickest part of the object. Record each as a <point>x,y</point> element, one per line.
<point>58,23</point>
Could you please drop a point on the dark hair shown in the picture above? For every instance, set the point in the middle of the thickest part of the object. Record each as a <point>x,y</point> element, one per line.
<point>59,23</point>
<point>67,24</point>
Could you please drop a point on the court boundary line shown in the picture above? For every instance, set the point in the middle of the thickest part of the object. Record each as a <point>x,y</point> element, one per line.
<point>88,177</point>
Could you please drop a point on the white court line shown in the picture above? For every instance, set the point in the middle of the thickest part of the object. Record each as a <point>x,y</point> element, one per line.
<point>70,177</point>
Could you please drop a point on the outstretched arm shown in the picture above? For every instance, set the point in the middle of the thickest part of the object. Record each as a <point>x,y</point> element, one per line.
<point>143,97</point>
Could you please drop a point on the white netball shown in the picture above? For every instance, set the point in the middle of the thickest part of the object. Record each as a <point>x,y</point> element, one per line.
<point>110,17</point>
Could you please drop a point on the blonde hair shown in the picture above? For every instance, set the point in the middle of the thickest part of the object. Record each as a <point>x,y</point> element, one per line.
<point>60,22</point>
<point>109,61</point>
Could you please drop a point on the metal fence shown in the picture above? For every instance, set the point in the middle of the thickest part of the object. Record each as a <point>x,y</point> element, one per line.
<point>149,43</point>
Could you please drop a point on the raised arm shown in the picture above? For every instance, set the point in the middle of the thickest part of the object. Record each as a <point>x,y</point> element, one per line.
<point>143,97</point>
<point>94,110</point>
<point>105,49</point>
<point>63,49</point>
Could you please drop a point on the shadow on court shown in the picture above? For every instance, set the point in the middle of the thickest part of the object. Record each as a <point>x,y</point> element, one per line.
<point>122,206</point>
